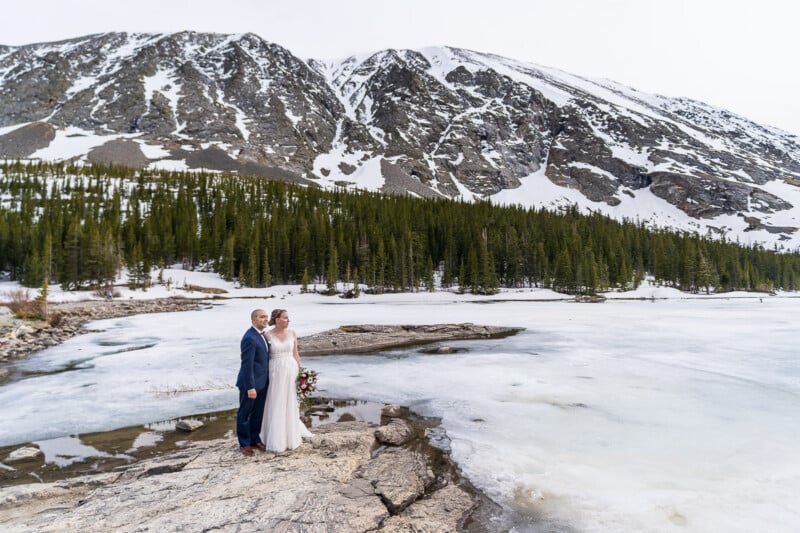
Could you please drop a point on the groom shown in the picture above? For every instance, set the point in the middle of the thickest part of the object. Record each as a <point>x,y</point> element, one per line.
<point>252,382</point>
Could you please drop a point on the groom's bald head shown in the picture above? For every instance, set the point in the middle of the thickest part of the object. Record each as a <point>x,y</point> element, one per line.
<point>259,318</point>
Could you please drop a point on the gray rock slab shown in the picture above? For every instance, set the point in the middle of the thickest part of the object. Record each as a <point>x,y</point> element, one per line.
<point>210,485</point>
<point>370,337</point>
<point>443,512</point>
<point>399,476</point>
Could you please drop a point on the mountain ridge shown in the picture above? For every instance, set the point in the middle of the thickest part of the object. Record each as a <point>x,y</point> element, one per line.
<point>434,122</point>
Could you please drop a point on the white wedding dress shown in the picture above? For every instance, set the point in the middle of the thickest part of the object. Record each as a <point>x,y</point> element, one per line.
<point>281,428</point>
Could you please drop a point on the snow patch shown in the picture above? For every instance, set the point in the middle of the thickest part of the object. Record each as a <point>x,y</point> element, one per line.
<point>75,143</point>
<point>367,176</point>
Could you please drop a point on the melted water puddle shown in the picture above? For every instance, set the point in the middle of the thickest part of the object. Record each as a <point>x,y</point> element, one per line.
<point>94,453</point>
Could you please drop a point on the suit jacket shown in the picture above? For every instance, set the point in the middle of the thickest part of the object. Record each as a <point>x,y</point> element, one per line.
<point>254,371</point>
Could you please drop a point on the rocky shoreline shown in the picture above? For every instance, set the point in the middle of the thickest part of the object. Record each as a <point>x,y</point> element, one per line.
<point>19,337</point>
<point>350,476</point>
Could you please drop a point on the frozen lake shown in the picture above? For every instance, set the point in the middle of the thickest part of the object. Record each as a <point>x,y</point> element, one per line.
<point>631,415</point>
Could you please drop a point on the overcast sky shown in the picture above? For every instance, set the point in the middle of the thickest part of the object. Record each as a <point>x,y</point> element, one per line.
<point>741,55</point>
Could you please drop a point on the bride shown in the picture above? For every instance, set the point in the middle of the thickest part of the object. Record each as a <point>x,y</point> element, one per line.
<point>281,428</point>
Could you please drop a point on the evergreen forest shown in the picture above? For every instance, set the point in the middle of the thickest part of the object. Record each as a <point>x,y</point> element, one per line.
<point>78,226</point>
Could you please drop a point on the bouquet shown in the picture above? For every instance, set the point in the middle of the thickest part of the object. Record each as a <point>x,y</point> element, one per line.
<point>306,384</point>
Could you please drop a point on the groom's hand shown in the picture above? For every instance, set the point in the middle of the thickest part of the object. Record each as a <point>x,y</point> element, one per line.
<point>251,393</point>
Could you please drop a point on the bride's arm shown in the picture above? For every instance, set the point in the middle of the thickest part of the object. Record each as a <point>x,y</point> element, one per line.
<point>296,353</point>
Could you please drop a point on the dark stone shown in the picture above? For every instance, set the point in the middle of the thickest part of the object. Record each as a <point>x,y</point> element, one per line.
<point>24,141</point>
<point>120,152</point>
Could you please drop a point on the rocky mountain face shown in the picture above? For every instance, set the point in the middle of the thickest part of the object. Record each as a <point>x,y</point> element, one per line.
<point>433,122</point>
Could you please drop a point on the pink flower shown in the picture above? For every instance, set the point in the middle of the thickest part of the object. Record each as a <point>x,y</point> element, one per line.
<point>306,383</point>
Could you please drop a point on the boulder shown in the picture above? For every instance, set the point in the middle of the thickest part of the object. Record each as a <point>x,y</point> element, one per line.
<point>399,476</point>
<point>23,331</point>
<point>28,453</point>
<point>189,425</point>
<point>395,433</point>
<point>392,410</point>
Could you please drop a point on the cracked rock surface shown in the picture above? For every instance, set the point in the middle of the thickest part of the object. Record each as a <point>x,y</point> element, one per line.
<point>339,480</point>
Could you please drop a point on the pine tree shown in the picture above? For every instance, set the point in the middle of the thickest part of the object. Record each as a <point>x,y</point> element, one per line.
<point>266,273</point>
<point>252,264</point>
<point>707,276</point>
<point>138,272</point>
<point>356,284</point>
<point>428,278</point>
<point>72,270</point>
<point>486,281</point>
<point>564,274</point>
<point>33,270</point>
<point>41,299</point>
<point>227,262</point>
<point>332,272</point>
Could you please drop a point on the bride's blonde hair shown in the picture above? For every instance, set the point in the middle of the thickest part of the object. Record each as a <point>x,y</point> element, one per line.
<point>276,313</point>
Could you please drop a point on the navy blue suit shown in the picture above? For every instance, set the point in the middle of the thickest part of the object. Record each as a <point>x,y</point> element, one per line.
<point>253,374</point>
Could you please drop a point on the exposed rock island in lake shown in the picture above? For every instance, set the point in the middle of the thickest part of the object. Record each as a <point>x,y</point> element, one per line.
<point>369,338</point>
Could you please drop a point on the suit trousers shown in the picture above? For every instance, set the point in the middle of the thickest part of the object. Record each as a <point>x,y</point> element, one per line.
<point>249,417</point>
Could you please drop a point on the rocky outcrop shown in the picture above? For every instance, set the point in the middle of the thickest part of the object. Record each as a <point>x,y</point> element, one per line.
<point>337,481</point>
<point>367,338</point>
<point>482,130</point>
<point>707,197</point>
<point>253,97</point>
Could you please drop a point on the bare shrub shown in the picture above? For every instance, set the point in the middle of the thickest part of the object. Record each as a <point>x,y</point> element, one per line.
<point>21,304</point>
<point>18,298</point>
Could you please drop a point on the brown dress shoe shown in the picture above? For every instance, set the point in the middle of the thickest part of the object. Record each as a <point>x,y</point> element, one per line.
<point>261,446</point>
<point>247,450</point>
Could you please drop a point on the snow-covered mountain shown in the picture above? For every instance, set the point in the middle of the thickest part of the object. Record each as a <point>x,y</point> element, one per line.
<point>432,122</point>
